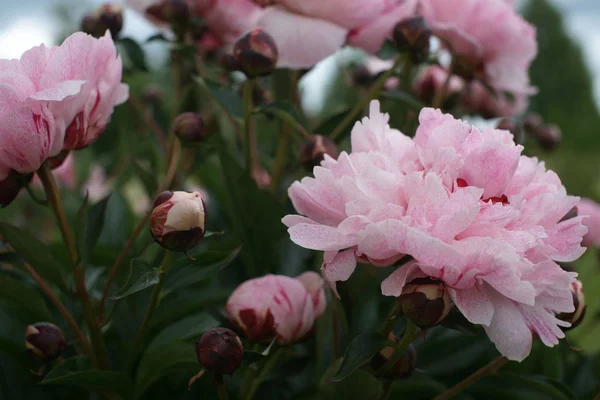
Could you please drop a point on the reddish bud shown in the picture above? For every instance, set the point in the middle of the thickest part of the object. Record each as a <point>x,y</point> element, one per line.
<point>10,188</point>
<point>175,12</point>
<point>314,150</point>
<point>412,36</point>
<point>189,127</point>
<point>178,220</point>
<point>532,122</point>
<point>548,136</point>
<point>220,350</point>
<point>256,53</point>
<point>403,368</point>
<point>508,124</point>
<point>576,316</point>
<point>107,17</point>
<point>45,341</point>
<point>425,301</point>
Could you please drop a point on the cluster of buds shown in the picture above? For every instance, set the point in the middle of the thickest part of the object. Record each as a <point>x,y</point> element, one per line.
<point>220,351</point>
<point>412,36</point>
<point>425,301</point>
<point>178,220</point>
<point>189,128</point>
<point>45,341</point>
<point>576,316</point>
<point>547,135</point>
<point>255,53</point>
<point>107,17</point>
<point>315,149</point>
<point>403,368</point>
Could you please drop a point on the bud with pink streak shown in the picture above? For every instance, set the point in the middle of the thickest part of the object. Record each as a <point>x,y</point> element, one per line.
<point>277,306</point>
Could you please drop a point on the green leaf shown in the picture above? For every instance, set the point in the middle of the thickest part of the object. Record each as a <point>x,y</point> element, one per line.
<point>187,328</point>
<point>227,98</point>
<point>360,351</point>
<point>68,373</point>
<point>387,51</point>
<point>141,276</point>
<point>95,223</point>
<point>284,110</point>
<point>25,298</point>
<point>207,265</point>
<point>359,385</point>
<point>36,253</point>
<point>134,53</point>
<point>160,362</point>
<point>404,98</point>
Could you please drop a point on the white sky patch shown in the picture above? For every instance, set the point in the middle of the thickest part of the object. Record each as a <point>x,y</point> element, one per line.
<point>23,34</point>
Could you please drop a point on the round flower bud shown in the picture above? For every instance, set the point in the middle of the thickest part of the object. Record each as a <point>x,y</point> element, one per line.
<point>189,127</point>
<point>576,316</point>
<point>412,36</point>
<point>255,53</point>
<point>220,350</point>
<point>10,188</point>
<point>532,122</point>
<point>425,301</point>
<point>548,136</point>
<point>508,124</point>
<point>178,220</point>
<point>45,341</point>
<point>314,150</point>
<point>107,17</point>
<point>175,12</point>
<point>403,368</point>
<point>88,25</point>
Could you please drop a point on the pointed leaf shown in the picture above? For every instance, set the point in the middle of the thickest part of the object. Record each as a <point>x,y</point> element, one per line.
<point>141,276</point>
<point>134,53</point>
<point>360,351</point>
<point>25,297</point>
<point>207,265</point>
<point>191,327</point>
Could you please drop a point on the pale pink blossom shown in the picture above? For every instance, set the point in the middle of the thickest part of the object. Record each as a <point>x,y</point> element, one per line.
<point>55,98</point>
<point>277,306</point>
<point>465,205</point>
<point>306,32</point>
<point>487,37</point>
<point>473,97</point>
<point>590,210</point>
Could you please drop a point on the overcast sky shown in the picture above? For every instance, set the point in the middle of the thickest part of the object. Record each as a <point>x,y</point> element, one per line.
<point>27,23</point>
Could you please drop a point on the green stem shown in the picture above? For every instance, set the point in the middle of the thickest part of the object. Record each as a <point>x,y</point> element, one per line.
<point>248,133</point>
<point>400,348</point>
<point>390,321</point>
<point>490,368</point>
<point>221,388</point>
<point>154,300</point>
<point>55,201</point>
<point>264,371</point>
<point>371,94</point>
<point>440,95</point>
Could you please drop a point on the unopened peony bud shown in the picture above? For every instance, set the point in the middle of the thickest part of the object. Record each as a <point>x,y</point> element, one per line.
<point>189,127</point>
<point>255,53</point>
<point>45,341</point>
<point>412,36</point>
<point>220,350</point>
<point>548,136</point>
<point>405,365</point>
<point>576,316</point>
<point>178,220</point>
<point>532,122</point>
<point>314,150</point>
<point>176,12</point>
<point>508,124</point>
<point>107,17</point>
<point>425,301</point>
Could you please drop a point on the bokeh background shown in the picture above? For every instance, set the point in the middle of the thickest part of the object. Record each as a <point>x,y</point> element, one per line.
<point>566,72</point>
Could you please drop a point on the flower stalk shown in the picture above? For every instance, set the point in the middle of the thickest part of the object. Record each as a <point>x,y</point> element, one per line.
<point>401,347</point>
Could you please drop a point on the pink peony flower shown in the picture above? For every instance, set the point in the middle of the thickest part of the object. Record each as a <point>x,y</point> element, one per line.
<point>55,98</point>
<point>590,210</point>
<point>488,39</point>
<point>306,32</point>
<point>465,205</point>
<point>277,306</point>
<point>474,98</point>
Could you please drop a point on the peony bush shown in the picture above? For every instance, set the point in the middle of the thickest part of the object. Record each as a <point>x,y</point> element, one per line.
<point>195,229</point>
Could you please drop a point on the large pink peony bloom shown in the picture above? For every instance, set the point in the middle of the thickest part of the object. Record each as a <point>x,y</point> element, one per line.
<point>488,37</point>
<point>55,98</point>
<point>590,210</point>
<point>277,306</point>
<point>465,205</point>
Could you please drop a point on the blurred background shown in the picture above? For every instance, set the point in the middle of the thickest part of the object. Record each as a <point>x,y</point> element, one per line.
<point>566,72</point>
